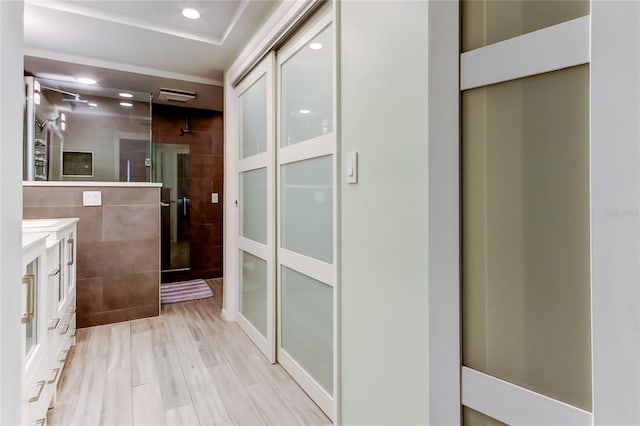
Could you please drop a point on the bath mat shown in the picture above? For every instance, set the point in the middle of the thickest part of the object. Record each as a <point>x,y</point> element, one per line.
<point>183,291</point>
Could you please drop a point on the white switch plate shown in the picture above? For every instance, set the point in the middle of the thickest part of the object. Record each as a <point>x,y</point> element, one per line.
<point>214,198</point>
<point>351,163</point>
<point>91,198</point>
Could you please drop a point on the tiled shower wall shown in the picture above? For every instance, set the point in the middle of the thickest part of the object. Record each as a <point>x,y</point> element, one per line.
<point>118,243</point>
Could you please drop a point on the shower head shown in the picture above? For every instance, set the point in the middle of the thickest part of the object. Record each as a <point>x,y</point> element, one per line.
<point>77,102</point>
<point>186,129</point>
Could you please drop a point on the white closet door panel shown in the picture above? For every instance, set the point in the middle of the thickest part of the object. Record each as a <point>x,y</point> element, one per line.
<point>256,209</point>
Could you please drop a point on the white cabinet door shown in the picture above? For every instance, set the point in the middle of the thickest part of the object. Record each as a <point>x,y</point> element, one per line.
<point>33,335</point>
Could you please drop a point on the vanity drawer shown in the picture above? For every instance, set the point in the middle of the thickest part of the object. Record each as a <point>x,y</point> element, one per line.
<point>38,393</point>
<point>70,335</point>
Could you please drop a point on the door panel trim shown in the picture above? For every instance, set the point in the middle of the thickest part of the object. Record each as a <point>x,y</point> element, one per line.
<point>316,269</point>
<point>549,49</point>
<point>311,148</point>
<point>254,335</point>
<point>255,162</point>
<point>513,404</point>
<point>253,247</point>
<point>310,386</point>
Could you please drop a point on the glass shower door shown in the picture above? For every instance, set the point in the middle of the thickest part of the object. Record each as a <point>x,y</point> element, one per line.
<point>172,169</point>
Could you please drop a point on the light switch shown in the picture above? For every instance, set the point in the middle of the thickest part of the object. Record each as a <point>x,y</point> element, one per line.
<point>214,198</point>
<point>351,161</point>
<point>91,198</point>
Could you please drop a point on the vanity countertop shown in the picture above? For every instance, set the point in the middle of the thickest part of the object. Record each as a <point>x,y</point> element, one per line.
<point>47,225</point>
<point>50,227</point>
<point>31,239</point>
<point>93,184</point>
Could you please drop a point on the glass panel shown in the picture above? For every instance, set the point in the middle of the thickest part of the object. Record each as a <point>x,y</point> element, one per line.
<point>254,119</point>
<point>31,329</point>
<point>254,291</point>
<point>486,22</point>
<point>307,208</point>
<point>79,133</point>
<point>172,168</point>
<point>307,88</point>
<point>254,205</point>
<point>525,224</point>
<point>475,418</point>
<point>307,325</point>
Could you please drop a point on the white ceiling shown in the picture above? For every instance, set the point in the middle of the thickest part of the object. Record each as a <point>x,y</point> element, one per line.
<point>142,44</point>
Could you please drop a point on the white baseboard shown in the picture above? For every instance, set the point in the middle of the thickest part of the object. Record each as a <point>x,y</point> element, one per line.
<point>228,316</point>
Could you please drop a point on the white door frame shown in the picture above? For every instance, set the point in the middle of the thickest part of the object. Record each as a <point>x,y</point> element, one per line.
<point>614,42</point>
<point>615,211</point>
<point>11,119</point>
<point>444,222</point>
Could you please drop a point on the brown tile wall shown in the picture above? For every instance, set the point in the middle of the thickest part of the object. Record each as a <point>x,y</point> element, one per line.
<point>118,272</point>
<point>206,159</point>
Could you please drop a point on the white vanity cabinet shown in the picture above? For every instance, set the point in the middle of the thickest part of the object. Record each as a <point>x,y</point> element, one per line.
<point>33,346</point>
<point>58,306</point>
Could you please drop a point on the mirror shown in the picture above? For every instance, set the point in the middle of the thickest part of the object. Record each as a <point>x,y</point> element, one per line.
<point>76,132</point>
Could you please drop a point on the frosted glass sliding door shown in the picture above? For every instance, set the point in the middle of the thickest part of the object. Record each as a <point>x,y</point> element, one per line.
<point>307,211</point>
<point>256,239</point>
<point>526,284</point>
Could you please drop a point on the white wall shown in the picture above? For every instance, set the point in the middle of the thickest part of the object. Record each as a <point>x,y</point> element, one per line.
<point>615,211</point>
<point>11,110</point>
<point>384,217</point>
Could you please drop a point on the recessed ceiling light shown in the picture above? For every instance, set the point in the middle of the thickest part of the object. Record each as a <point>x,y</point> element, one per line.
<point>125,95</point>
<point>85,80</point>
<point>190,13</point>
<point>126,104</point>
<point>93,104</point>
<point>304,111</point>
<point>315,46</point>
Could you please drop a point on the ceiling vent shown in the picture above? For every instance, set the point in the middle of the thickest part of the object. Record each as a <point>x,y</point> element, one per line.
<point>174,95</point>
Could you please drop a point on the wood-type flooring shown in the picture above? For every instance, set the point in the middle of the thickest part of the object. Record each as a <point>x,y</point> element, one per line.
<point>186,367</point>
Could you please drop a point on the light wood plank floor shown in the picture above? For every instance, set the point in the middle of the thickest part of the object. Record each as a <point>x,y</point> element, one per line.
<point>187,367</point>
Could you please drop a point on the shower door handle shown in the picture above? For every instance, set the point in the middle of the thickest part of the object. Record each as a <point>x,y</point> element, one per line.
<point>185,200</point>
